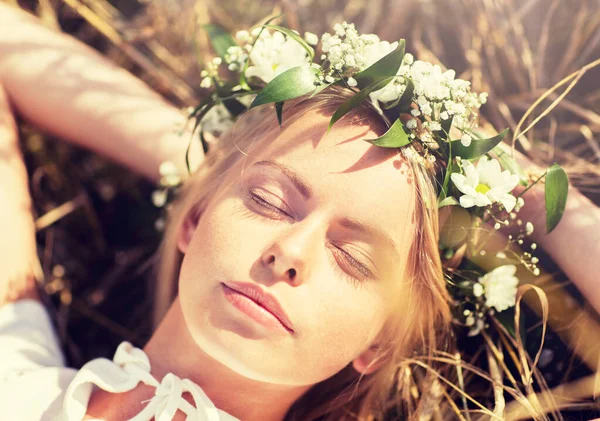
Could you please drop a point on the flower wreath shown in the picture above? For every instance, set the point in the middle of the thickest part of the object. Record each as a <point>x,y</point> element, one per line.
<point>424,104</point>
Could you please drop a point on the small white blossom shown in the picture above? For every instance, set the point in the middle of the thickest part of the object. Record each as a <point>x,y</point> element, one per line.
<point>242,36</point>
<point>206,83</point>
<point>528,228</point>
<point>500,287</point>
<point>411,124</point>
<point>352,82</point>
<point>311,38</point>
<point>435,126</point>
<point>159,198</point>
<point>477,290</point>
<point>415,113</point>
<point>485,184</point>
<point>465,140</point>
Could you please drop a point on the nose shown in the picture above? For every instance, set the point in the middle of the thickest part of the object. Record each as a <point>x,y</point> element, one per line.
<point>290,256</point>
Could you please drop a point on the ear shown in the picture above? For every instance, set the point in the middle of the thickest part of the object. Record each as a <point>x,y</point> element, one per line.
<point>369,360</point>
<point>187,229</point>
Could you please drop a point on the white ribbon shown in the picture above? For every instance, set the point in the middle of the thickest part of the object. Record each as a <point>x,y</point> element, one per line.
<point>130,366</point>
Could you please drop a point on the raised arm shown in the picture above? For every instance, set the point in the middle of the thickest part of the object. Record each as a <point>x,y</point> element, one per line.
<point>73,92</point>
<point>18,257</point>
<point>70,90</point>
<point>575,243</point>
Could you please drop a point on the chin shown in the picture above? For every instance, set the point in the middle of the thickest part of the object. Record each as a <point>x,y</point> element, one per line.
<point>253,359</point>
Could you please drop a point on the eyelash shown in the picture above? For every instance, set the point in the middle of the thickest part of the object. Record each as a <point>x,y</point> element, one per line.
<point>365,273</point>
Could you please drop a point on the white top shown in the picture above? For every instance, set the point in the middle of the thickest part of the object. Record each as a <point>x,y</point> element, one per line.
<point>35,385</point>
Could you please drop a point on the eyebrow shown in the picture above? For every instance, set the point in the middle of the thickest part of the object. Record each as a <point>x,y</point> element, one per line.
<point>306,191</point>
<point>300,184</point>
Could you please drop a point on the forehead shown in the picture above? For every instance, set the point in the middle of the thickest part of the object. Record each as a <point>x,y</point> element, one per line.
<point>349,176</point>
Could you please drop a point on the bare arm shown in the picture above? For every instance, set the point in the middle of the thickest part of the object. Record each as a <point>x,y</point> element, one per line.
<point>575,243</point>
<point>70,90</point>
<point>18,257</point>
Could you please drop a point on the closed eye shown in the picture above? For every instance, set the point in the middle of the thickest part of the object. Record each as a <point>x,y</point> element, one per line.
<point>265,204</point>
<point>348,259</point>
<point>356,265</point>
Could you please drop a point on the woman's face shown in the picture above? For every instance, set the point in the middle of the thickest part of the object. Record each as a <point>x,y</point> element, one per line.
<point>312,220</point>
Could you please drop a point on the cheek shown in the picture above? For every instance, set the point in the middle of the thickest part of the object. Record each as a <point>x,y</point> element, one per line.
<point>344,323</point>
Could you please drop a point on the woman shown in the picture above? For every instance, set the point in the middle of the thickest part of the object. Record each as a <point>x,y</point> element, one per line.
<point>296,233</point>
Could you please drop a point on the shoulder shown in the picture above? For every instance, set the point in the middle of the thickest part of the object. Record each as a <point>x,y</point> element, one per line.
<point>35,395</point>
<point>28,339</point>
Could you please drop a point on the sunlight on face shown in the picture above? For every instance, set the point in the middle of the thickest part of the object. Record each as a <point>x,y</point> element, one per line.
<point>335,210</point>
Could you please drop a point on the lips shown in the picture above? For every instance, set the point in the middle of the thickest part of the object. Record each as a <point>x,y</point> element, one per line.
<point>263,299</point>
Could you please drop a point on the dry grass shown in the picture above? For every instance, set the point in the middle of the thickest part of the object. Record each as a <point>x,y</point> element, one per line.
<point>95,221</point>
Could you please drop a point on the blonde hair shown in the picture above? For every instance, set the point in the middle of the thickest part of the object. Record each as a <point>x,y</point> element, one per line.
<point>345,395</point>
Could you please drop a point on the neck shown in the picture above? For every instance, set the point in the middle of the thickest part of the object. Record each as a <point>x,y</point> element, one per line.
<point>172,350</point>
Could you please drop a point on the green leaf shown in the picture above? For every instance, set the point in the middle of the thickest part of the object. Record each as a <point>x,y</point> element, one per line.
<point>449,169</point>
<point>220,39</point>
<point>279,111</point>
<point>478,147</point>
<point>448,201</point>
<point>395,137</point>
<point>356,100</point>
<point>509,163</point>
<point>291,84</point>
<point>557,187</point>
<point>385,67</point>
<point>295,37</point>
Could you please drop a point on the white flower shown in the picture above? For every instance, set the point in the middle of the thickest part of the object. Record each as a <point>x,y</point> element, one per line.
<point>485,184</point>
<point>500,287</point>
<point>435,126</point>
<point>159,198</point>
<point>352,82</point>
<point>375,52</point>
<point>529,228</point>
<point>206,83</point>
<point>169,175</point>
<point>477,290</point>
<point>311,38</point>
<point>242,36</point>
<point>273,54</point>
<point>465,140</point>
<point>411,124</point>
